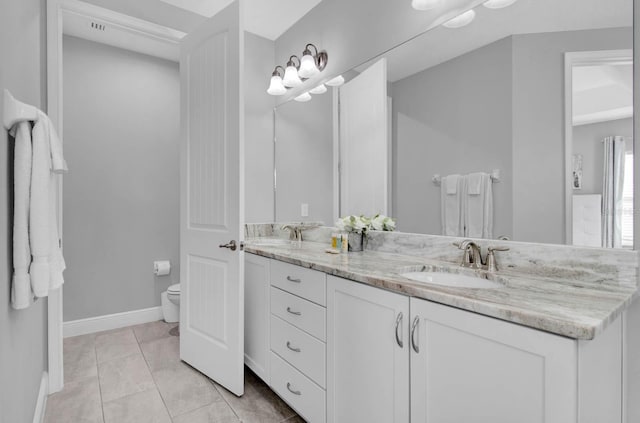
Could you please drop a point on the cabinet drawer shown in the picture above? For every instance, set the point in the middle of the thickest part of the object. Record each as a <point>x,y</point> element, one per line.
<point>301,313</point>
<point>305,283</point>
<point>300,349</point>
<point>304,396</point>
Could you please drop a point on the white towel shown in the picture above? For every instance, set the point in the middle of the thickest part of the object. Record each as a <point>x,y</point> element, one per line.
<point>21,294</point>
<point>451,182</point>
<point>478,215</point>
<point>48,263</point>
<point>452,206</point>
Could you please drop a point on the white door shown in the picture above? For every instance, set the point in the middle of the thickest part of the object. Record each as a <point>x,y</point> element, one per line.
<point>364,143</point>
<point>211,199</point>
<point>471,368</point>
<point>367,354</point>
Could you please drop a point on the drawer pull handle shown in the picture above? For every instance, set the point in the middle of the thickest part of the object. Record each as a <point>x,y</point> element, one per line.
<point>294,349</point>
<point>290,279</point>
<point>292,391</point>
<point>398,323</point>
<point>297,313</point>
<point>414,326</point>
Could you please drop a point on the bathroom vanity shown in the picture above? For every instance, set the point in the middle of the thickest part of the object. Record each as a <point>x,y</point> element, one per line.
<point>346,338</point>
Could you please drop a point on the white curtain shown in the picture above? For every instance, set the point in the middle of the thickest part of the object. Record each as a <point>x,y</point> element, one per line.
<point>612,181</point>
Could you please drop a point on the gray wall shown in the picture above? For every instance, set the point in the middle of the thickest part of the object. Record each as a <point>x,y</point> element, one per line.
<point>258,136</point>
<point>442,124</point>
<point>23,333</point>
<point>304,159</point>
<point>538,126</point>
<point>587,141</point>
<point>121,195</point>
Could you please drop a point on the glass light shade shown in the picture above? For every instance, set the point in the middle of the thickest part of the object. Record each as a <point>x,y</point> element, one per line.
<point>461,20</point>
<point>291,78</point>
<point>498,4</point>
<point>276,87</point>
<point>308,67</point>
<point>303,97</point>
<point>335,82</point>
<point>424,4</point>
<point>320,89</point>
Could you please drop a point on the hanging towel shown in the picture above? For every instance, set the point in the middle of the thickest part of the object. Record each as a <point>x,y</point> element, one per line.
<point>478,204</point>
<point>47,264</point>
<point>451,204</point>
<point>21,294</point>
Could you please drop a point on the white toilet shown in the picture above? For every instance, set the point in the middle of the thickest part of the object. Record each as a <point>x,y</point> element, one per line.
<point>171,304</point>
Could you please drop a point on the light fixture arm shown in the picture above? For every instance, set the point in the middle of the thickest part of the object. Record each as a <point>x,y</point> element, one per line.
<point>292,63</point>
<point>276,73</point>
<point>307,51</point>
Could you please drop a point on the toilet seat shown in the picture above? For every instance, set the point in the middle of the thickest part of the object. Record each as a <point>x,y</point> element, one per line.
<point>174,289</point>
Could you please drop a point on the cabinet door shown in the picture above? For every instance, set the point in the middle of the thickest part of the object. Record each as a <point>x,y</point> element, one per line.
<point>367,354</point>
<point>256,315</point>
<point>471,368</point>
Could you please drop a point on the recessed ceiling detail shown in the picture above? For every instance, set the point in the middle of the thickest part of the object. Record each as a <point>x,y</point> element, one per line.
<point>267,18</point>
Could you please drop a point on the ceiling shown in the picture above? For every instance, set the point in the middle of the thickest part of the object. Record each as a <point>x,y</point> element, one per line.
<point>267,18</point>
<point>524,17</point>
<point>602,93</point>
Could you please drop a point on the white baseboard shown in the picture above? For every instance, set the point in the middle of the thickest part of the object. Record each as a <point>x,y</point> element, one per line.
<point>41,404</point>
<point>111,321</point>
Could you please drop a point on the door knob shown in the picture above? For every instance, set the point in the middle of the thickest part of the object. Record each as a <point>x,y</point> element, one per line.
<point>230,245</point>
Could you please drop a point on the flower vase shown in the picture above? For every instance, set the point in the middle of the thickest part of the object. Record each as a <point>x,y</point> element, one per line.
<point>357,241</point>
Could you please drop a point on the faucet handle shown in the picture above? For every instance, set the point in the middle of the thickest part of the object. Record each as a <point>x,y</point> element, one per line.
<point>492,265</point>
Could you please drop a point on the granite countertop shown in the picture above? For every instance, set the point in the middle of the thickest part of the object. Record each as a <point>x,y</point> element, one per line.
<point>560,304</point>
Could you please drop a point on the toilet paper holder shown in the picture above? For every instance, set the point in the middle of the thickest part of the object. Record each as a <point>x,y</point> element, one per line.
<point>161,267</point>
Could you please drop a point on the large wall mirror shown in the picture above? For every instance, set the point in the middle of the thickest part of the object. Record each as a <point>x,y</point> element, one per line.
<point>532,103</point>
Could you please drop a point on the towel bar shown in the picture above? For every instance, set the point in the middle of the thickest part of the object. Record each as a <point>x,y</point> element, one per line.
<point>495,177</point>
<point>16,111</point>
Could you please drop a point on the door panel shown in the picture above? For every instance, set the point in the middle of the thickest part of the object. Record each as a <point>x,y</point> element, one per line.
<point>211,199</point>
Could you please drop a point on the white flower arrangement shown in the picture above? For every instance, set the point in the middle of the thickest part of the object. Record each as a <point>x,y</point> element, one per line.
<point>362,224</point>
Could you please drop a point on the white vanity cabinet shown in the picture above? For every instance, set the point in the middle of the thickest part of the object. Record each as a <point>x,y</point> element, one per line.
<point>469,368</point>
<point>256,314</point>
<point>367,354</point>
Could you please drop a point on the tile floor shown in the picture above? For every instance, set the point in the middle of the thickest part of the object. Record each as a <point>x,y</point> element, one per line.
<point>134,375</point>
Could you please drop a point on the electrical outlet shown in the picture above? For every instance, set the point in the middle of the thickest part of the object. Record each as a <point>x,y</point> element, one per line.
<point>304,210</point>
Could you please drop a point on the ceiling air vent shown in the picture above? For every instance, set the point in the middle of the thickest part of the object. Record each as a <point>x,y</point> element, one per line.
<point>98,26</point>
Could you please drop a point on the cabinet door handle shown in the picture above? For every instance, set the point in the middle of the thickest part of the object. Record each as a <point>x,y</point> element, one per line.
<point>290,279</point>
<point>398,323</point>
<point>297,313</point>
<point>294,349</point>
<point>292,391</point>
<point>414,326</point>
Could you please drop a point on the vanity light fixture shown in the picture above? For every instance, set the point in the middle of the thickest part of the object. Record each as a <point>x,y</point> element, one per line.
<point>320,89</point>
<point>335,82</point>
<point>291,78</point>
<point>276,87</point>
<point>424,4</point>
<point>498,4</point>
<point>461,20</point>
<point>312,64</point>
<point>304,97</point>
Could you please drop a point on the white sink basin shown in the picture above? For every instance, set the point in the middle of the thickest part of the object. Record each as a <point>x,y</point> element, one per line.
<point>268,241</point>
<point>455,280</point>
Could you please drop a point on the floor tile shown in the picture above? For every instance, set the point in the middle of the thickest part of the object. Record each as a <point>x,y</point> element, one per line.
<point>80,343</point>
<point>116,344</point>
<point>79,363</point>
<point>217,412</point>
<point>257,405</point>
<point>143,407</point>
<point>124,376</point>
<point>163,352</point>
<point>78,402</point>
<point>184,389</point>
<point>154,330</point>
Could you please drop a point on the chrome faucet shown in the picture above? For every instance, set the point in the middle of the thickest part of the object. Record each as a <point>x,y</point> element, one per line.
<point>295,232</point>
<point>472,254</point>
<point>472,257</point>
